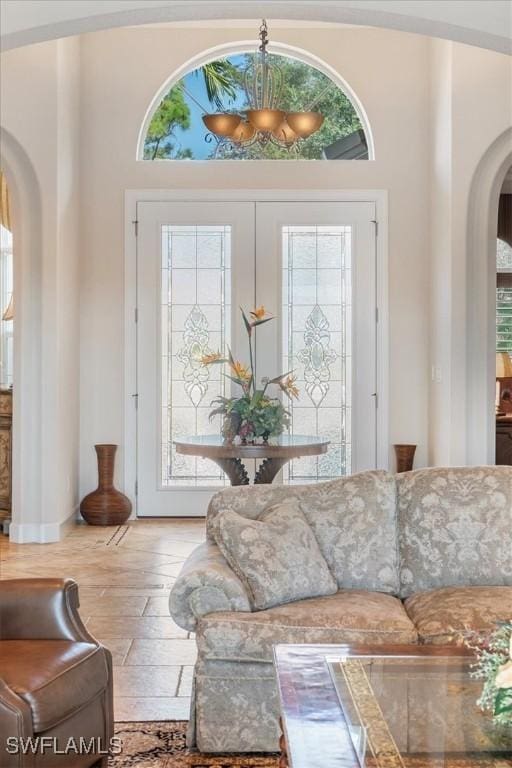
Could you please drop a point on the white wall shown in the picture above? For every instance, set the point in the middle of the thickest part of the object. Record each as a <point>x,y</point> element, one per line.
<point>471,105</point>
<point>482,110</point>
<point>440,249</point>
<point>76,108</point>
<point>115,95</point>
<point>40,108</point>
<point>67,286</point>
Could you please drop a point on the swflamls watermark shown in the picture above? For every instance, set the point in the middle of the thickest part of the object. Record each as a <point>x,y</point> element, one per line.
<point>40,745</point>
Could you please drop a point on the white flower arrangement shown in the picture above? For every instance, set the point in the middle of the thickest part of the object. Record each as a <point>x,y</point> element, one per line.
<point>494,667</point>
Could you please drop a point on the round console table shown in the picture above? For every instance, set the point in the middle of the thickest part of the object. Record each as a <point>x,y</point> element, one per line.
<point>274,454</point>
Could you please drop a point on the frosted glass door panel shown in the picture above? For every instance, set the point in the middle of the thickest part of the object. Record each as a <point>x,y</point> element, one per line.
<point>316,310</point>
<point>195,321</point>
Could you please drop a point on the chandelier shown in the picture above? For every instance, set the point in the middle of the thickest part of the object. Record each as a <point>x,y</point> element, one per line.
<point>263,121</point>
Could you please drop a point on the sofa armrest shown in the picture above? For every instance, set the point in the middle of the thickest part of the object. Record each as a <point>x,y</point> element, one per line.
<point>15,724</point>
<point>205,585</point>
<point>41,609</point>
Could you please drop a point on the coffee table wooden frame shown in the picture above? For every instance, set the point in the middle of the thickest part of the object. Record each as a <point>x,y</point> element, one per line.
<point>314,730</point>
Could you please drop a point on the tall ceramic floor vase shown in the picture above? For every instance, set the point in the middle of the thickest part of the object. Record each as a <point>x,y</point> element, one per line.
<point>106,505</point>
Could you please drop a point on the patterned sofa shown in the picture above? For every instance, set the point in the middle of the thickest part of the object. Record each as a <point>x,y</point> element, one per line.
<point>416,557</point>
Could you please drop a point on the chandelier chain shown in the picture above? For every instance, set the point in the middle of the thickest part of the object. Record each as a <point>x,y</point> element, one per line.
<point>263,36</point>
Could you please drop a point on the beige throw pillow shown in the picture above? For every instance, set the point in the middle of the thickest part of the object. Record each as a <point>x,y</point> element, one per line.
<point>277,556</point>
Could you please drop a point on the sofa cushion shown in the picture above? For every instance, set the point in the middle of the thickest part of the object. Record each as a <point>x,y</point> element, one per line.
<point>350,616</point>
<point>56,678</point>
<point>455,528</point>
<point>277,556</point>
<point>354,520</point>
<point>440,614</point>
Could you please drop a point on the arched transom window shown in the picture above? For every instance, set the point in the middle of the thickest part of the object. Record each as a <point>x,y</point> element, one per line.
<point>176,129</point>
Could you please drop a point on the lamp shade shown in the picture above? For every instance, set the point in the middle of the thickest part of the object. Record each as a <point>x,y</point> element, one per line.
<point>285,134</point>
<point>265,119</point>
<point>9,312</point>
<point>222,124</point>
<point>243,132</point>
<point>503,365</point>
<point>304,123</point>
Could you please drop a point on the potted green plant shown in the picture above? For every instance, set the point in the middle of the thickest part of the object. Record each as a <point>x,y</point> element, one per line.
<point>254,416</point>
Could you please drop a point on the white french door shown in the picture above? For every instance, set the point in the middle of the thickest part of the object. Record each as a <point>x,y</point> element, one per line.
<point>195,263</point>
<point>315,269</point>
<point>312,264</point>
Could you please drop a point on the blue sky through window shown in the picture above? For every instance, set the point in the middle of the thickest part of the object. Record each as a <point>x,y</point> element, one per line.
<point>194,137</point>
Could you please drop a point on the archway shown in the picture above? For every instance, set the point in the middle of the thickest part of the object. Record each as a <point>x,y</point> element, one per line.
<point>64,19</point>
<point>481,299</point>
<point>25,200</point>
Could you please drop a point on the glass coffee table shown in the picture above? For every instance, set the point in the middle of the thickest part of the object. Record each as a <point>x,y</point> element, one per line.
<point>384,707</point>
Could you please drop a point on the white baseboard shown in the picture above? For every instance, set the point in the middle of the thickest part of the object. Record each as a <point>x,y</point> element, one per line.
<point>41,533</point>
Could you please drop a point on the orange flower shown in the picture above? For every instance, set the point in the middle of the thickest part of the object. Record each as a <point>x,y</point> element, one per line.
<point>289,387</point>
<point>240,371</point>
<point>258,314</point>
<point>211,357</point>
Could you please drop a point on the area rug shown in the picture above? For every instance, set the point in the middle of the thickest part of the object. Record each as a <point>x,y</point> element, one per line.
<point>162,745</point>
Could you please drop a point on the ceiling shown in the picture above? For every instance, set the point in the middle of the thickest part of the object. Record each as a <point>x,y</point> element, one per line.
<point>485,23</point>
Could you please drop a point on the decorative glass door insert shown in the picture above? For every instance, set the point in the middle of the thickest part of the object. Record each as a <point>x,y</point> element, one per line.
<point>195,321</point>
<point>316,343</point>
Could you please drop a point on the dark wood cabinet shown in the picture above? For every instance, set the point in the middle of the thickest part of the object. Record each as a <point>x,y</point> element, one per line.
<point>504,440</point>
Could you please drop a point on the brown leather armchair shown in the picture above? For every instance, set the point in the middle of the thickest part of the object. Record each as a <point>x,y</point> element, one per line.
<point>55,679</point>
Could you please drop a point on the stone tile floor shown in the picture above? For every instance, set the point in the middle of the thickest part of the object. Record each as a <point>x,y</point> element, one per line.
<point>124,575</point>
